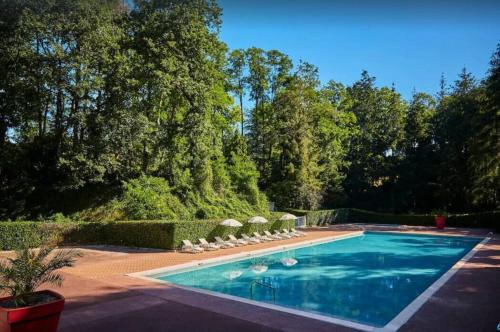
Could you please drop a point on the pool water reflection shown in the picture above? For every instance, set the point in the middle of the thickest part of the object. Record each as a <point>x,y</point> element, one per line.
<point>368,279</point>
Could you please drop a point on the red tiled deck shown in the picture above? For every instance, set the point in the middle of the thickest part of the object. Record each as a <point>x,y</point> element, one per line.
<point>100,297</point>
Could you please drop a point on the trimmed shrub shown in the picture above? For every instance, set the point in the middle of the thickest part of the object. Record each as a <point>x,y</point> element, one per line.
<point>21,233</point>
<point>149,234</point>
<point>193,230</point>
<point>84,233</point>
<point>323,217</point>
<point>489,219</point>
<point>362,216</point>
<point>169,234</point>
<point>17,234</point>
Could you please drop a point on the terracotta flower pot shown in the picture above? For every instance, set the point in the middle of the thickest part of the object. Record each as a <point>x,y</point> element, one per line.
<point>41,317</point>
<point>440,221</point>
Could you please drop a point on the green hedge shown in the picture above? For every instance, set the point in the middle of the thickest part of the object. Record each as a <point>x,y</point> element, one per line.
<point>15,234</point>
<point>361,216</point>
<point>489,219</point>
<point>136,234</point>
<point>150,234</point>
<point>169,234</point>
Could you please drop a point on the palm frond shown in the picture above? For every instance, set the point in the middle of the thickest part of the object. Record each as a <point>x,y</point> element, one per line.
<point>33,267</point>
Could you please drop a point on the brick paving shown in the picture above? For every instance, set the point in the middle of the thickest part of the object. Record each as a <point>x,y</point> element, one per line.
<point>100,297</point>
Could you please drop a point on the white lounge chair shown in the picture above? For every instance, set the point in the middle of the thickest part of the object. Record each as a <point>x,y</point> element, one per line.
<point>224,244</point>
<point>262,238</point>
<point>285,231</point>
<point>208,245</point>
<point>238,242</point>
<point>284,236</point>
<point>272,236</point>
<point>250,240</point>
<point>298,232</point>
<point>187,246</point>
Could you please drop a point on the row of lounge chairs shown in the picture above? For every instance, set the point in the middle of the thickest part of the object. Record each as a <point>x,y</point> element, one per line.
<point>235,242</point>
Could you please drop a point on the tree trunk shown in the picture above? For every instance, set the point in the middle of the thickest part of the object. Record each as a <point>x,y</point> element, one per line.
<point>242,114</point>
<point>38,91</point>
<point>44,120</point>
<point>3,131</point>
<point>76,124</point>
<point>59,120</point>
<point>75,103</point>
<point>145,157</point>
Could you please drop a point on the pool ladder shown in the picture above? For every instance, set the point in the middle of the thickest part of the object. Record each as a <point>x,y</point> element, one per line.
<point>263,284</point>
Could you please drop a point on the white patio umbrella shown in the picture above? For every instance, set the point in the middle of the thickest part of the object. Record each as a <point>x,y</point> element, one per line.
<point>259,268</point>
<point>231,223</point>
<point>257,220</point>
<point>289,261</point>
<point>232,274</point>
<point>288,216</point>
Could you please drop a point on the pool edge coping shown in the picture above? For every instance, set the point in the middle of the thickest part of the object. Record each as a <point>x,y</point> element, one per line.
<point>242,255</point>
<point>411,309</point>
<point>394,325</point>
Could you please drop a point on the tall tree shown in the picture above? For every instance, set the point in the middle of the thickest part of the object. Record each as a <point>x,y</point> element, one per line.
<point>418,167</point>
<point>375,151</point>
<point>268,73</point>
<point>279,71</point>
<point>237,79</point>
<point>484,158</point>
<point>334,126</point>
<point>296,180</point>
<point>454,116</point>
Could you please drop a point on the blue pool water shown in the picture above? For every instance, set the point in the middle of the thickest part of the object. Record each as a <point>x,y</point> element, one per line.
<point>368,279</point>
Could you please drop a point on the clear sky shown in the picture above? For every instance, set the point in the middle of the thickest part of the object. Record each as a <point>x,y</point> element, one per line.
<point>405,42</point>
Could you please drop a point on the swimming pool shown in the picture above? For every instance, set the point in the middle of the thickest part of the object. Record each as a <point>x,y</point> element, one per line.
<point>367,279</point>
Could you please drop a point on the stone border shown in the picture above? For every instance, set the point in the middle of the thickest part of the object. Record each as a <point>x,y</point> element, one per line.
<point>401,319</point>
<point>328,319</point>
<point>149,274</point>
<point>180,268</point>
<point>396,323</point>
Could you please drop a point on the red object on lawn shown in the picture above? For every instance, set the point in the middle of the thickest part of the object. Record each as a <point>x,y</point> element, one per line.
<point>440,221</point>
<point>41,317</point>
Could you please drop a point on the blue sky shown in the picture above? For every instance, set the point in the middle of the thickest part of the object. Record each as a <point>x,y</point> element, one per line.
<point>405,42</point>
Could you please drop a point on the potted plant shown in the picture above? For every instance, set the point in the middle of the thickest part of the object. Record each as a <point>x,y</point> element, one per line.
<point>440,219</point>
<point>27,309</point>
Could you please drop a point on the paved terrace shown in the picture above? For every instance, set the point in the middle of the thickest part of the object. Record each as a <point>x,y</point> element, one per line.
<point>100,297</point>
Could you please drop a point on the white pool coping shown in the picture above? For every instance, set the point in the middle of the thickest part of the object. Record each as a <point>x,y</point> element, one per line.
<point>417,303</point>
<point>394,325</point>
<point>241,256</point>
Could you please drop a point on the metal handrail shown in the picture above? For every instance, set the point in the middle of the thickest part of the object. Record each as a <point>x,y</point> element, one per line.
<point>263,284</point>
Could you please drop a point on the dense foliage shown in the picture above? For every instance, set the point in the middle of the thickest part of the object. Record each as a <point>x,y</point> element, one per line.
<point>365,146</point>
<point>109,112</point>
<point>93,95</point>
